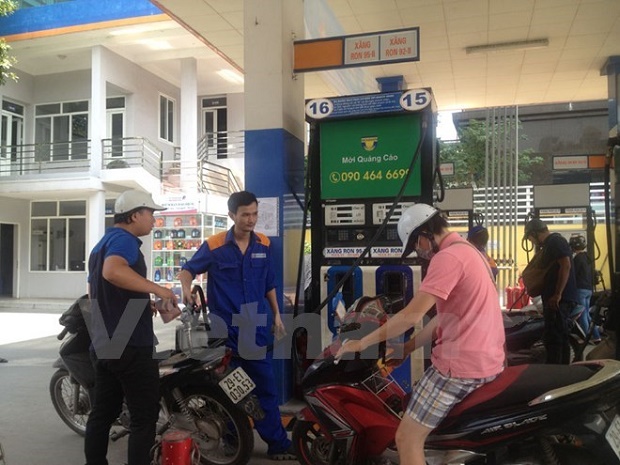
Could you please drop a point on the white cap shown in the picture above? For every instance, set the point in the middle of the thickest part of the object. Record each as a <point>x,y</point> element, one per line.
<point>132,199</point>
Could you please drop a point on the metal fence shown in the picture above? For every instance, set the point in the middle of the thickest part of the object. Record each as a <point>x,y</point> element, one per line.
<point>222,144</point>
<point>51,157</point>
<point>211,177</point>
<point>132,152</point>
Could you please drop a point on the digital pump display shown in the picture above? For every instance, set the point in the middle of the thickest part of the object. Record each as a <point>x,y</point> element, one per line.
<point>369,158</point>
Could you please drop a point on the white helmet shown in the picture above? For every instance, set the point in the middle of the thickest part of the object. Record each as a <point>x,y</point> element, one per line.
<point>132,199</point>
<point>411,219</point>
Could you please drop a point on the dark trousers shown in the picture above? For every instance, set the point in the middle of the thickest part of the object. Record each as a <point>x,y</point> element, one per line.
<point>134,377</point>
<point>270,428</point>
<point>555,337</point>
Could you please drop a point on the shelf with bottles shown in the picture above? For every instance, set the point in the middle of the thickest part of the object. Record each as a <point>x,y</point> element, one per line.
<point>176,237</point>
<point>161,246</point>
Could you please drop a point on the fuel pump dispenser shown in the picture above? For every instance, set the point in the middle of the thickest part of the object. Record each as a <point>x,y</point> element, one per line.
<point>458,207</point>
<point>613,236</point>
<point>565,208</point>
<point>370,157</point>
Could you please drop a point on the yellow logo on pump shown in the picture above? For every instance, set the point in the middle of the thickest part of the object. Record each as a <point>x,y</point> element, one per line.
<point>369,143</point>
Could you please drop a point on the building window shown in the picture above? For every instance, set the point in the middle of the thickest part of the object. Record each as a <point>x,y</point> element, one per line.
<point>115,124</point>
<point>215,126</point>
<point>61,129</point>
<point>58,235</point>
<point>11,134</point>
<point>109,213</point>
<point>166,118</point>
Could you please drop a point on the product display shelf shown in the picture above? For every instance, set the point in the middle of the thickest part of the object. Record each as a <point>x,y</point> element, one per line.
<point>176,237</point>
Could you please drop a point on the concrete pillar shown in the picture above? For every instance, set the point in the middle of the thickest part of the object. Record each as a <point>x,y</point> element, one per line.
<point>189,124</point>
<point>274,137</point>
<point>95,226</point>
<point>97,119</point>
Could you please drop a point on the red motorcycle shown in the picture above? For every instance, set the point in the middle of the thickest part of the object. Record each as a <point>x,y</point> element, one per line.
<point>531,414</point>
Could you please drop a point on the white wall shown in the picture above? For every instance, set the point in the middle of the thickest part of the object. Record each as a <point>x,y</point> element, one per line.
<point>62,87</point>
<point>37,284</point>
<point>20,91</point>
<point>236,109</point>
<point>142,89</point>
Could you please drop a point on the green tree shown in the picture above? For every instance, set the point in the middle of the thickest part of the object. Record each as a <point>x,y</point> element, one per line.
<point>7,61</point>
<point>468,154</point>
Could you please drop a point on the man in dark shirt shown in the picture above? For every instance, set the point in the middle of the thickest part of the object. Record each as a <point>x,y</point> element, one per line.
<point>122,332</point>
<point>559,295</point>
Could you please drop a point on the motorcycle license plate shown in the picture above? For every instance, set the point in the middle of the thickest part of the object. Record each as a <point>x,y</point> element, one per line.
<point>613,435</point>
<point>237,385</point>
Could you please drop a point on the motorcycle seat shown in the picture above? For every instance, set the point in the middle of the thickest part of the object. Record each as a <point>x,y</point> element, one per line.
<point>519,385</point>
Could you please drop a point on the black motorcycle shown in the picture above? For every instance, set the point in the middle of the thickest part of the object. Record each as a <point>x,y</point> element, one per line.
<point>524,332</point>
<point>200,393</point>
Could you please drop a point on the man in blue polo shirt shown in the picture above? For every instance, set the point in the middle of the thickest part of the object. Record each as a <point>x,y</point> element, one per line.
<point>240,290</point>
<point>122,332</point>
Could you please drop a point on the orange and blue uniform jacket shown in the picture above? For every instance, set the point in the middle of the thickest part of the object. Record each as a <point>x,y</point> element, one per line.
<point>236,283</point>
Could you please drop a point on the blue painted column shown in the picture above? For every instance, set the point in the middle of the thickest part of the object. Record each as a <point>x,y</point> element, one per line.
<point>274,137</point>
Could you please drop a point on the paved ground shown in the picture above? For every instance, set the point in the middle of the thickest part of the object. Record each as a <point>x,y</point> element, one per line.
<point>31,432</point>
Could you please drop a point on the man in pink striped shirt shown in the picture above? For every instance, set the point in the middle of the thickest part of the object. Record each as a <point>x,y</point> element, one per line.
<point>468,329</point>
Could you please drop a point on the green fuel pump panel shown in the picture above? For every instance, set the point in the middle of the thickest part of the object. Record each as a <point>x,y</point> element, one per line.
<point>370,157</point>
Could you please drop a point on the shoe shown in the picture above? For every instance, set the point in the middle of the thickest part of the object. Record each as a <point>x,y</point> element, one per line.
<point>288,454</point>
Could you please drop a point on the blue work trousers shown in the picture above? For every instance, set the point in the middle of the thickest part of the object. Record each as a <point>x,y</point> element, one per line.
<point>270,428</point>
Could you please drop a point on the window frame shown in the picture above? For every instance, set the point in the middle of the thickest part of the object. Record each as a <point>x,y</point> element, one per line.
<point>49,219</point>
<point>167,118</point>
<point>77,148</point>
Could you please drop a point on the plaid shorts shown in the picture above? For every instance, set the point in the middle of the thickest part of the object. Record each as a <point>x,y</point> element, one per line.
<point>435,395</point>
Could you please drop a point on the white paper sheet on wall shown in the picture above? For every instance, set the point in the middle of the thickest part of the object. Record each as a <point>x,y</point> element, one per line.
<point>268,218</point>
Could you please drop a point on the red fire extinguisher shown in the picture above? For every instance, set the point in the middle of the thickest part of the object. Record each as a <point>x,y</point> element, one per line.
<point>517,296</point>
<point>509,297</point>
<point>177,448</point>
<point>525,300</point>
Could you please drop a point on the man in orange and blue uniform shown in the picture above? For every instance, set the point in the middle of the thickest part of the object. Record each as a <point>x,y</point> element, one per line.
<point>240,288</point>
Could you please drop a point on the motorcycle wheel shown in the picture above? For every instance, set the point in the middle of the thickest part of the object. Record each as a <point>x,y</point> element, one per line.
<point>62,391</point>
<point>224,435</point>
<point>311,445</point>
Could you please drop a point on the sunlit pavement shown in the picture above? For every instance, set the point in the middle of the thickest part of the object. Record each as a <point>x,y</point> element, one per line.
<point>18,327</point>
<point>31,432</point>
